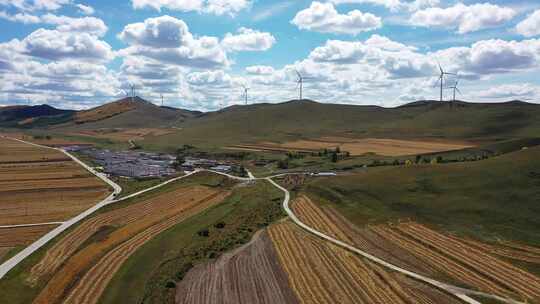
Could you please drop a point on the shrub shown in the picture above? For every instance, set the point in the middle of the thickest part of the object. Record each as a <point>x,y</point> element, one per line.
<point>170,284</point>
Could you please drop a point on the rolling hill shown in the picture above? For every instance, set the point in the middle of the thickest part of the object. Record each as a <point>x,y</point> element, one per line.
<point>26,116</point>
<point>123,113</point>
<point>485,122</point>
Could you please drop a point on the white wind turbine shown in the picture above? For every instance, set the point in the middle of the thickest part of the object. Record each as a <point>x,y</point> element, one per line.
<point>441,78</point>
<point>246,89</point>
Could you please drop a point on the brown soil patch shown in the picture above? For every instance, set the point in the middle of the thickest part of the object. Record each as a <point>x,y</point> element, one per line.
<point>101,259</point>
<point>251,274</point>
<point>20,236</point>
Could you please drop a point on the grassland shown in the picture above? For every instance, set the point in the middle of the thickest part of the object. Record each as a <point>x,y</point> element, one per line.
<point>490,200</point>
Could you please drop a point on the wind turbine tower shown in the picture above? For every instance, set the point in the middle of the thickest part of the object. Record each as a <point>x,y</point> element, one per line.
<point>132,91</point>
<point>300,84</point>
<point>441,78</point>
<point>246,89</point>
<point>455,88</point>
<point>161,100</point>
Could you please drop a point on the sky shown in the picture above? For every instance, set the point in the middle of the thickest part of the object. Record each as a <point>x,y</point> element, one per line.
<point>201,54</point>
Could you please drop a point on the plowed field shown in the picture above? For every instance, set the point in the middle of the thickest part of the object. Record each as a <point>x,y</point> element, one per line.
<point>11,237</point>
<point>251,275</point>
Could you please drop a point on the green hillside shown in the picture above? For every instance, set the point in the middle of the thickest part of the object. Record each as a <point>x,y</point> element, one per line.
<point>308,119</point>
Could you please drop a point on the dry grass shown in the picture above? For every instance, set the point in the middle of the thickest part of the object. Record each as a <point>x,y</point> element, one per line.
<point>101,258</point>
<point>105,111</point>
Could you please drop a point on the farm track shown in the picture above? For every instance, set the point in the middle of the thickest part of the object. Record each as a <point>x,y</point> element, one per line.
<point>18,236</point>
<point>81,261</point>
<point>67,246</point>
<point>93,283</point>
<point>250,274</point>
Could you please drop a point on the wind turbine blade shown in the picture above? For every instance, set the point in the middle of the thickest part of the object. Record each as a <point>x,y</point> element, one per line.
<point>459,91</point>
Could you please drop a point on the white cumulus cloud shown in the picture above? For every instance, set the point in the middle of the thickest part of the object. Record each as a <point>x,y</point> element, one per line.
<point>85,9</point>
<point>168,39</point>
<point>248,40</point>
<point>324,18</point>
<point>530,26</point>
<point>216,7</point>
<point>464,18</point>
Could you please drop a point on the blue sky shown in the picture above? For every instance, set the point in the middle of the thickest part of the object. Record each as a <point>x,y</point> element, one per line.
<point>199,54</point>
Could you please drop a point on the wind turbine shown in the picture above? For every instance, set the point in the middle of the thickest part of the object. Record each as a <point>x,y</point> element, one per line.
<point>246,89</point>
<point>455,88</point>
<point>299,84</point>
<point>161,100</point>
<point>441,78</point>
<point>132,86</point>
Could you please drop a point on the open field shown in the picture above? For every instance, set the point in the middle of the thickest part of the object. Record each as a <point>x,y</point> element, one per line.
<point>416,247</point>
<point>322,273</point>
<point>136,225</point>
<point>43,185</point>
<point>360,146</point>
<point>250,274</point>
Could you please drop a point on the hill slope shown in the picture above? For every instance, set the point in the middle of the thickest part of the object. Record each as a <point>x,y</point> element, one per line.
<point>128,113</point>
<point>308,119</point>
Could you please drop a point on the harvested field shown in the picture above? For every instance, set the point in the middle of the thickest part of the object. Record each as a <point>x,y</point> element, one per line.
<point>380,146</point>
<point>43,185</point>
<point>51,142</point>
<point>415,247</point>
<point>251,274</point>
<point>322,273</point>
<point>79,270</point>
<point>20,236</point>
<point>16,152</point>
<point>123,135</point>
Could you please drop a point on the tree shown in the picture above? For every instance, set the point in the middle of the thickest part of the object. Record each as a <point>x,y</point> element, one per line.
<point>338,150</point>
<point>334,157</point>
<point>283,164</point>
